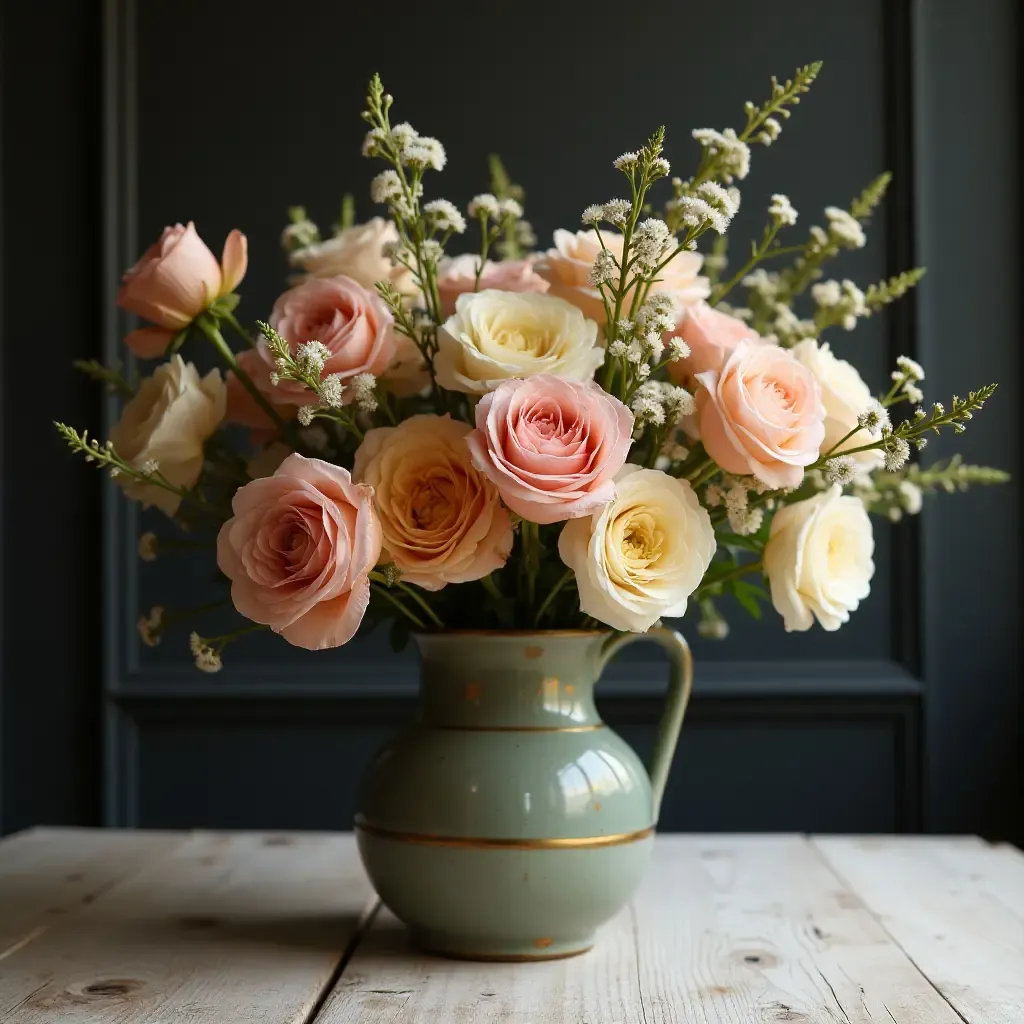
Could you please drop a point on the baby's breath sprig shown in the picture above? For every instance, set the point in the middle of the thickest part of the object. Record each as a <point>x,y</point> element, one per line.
<point>207,651</point>
<point>845,231</point>
<point>423,228</point>
<point>105,456</point>
<point>300,231</point>
<point>110,376</point>
<point>725,155</point>
<point>305,366</point>
<point>781,214</point>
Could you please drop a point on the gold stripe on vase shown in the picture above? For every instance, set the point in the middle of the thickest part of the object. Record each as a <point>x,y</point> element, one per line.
<point>481,843</point>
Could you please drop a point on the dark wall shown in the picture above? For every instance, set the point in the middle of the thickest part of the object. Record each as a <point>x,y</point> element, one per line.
<point>121,117</point>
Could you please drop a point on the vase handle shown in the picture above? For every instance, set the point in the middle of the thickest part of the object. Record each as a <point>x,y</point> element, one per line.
<point>680,685</point>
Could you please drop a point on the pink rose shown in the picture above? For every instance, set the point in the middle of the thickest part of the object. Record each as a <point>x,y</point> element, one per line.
<point>761,414</point>
<point>458,275</point>
<point>174,281</point>
<point>567,268</point>
<point>298,551</point>
<point>551,446</point>
<point>711,336</point>
<point>350,320</point>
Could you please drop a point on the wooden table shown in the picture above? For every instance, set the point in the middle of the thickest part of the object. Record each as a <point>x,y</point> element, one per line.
<point>100,926</point>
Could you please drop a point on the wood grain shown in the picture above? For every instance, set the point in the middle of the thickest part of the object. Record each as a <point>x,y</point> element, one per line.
<point>725,929</point>
<point>46,874</point>
<point>956,907</point>
<point>235,928</point>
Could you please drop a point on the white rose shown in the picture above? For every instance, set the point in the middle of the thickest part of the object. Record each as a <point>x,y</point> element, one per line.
<point>641,556</point>
<point>166,423</point>
<point>818,560</point>
<point>495,336</point>
<point>845,396</point>
<point>358,253</point>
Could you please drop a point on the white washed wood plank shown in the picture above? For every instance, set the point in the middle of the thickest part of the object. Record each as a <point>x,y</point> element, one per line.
<point>232,928</point>
<point>681,953</point>
<point>47,873</point>
<point>937,898</point>
<point>388,980</point>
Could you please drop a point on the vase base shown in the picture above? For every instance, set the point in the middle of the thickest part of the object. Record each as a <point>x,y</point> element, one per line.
<point>456,948</point>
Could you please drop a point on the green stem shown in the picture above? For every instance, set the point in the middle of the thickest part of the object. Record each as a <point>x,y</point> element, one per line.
<point>704,476</point>
<point>530,533</point>
<point>388,596</point>
<point>759,254</point>
<point>189,613</point>
<point>566,576</point>
<point>491,586</point>
<point>411,592</point>
<point>740,570</point>
<point>699,469</point>
<point>220,642</point>
<point>239,329</point>
<point>212,332</point>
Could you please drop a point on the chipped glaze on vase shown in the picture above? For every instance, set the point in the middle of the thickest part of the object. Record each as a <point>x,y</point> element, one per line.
<point>510,821</point>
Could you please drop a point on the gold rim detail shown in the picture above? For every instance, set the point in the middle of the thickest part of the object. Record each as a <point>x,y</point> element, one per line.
<point>478,843</point>
<point>521,728</point>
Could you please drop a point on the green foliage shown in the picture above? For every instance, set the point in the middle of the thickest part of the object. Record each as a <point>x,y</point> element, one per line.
<point>879,295</point>
<point>862,207</point>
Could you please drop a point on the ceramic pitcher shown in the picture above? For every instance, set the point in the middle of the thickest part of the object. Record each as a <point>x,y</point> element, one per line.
<point>510,821</point>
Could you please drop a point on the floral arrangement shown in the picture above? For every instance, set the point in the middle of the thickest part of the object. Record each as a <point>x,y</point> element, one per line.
<point>601,433</point>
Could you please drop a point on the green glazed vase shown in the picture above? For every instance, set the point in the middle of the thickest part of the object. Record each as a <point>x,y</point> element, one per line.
<point>510,821</point>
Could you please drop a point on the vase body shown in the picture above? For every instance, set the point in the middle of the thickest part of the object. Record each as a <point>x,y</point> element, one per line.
<point>509,822</point>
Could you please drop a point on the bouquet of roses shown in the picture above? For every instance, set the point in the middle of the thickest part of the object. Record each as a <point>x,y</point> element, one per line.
<point>602,433</point>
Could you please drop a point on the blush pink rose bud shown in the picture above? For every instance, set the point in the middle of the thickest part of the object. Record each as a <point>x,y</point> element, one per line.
<point>457,275</point>
<point>711,336</point>
<point>551,446</point>
<point>175,280</point>
<point>762,414</point>
<point>350,320</point>
<point>298,551</point>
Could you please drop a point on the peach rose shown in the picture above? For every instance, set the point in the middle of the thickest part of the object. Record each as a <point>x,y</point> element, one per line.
<point>166,423</point>
<point>174,281</point>
<point>711,336</point>
<point>350,320</point>
<point>356,252</point>
<point>761,414</point>
<point>551,446</point>
<point>567,268</point>
<point>458,275</point>
<point>443,521</point>
<point>298,550</point>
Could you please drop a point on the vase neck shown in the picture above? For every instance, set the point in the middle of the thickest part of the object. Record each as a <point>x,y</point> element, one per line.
<point>513,681</point>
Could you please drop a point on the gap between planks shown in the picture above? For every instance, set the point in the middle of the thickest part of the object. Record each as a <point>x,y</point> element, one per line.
<point>230,927</point>
<point>956,908</point>
<point>724,929</point>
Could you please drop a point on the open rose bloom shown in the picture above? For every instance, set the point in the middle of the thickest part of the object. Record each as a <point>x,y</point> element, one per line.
<point>450,425</point>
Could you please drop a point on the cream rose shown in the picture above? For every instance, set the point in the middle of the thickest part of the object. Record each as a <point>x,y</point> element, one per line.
<point>358,253</point>
<point>818,560</point>
<point>567,265</point>
<point>495,336</point>
<point>845,396</point>
<point>166,424</point>
<point>641,556</point>
<point>442,519</point>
